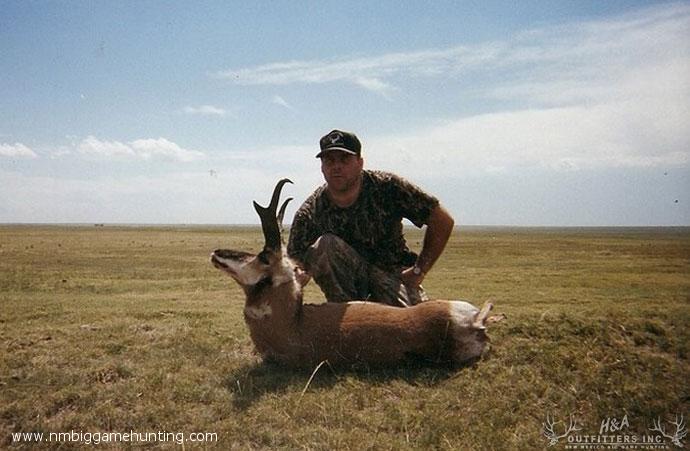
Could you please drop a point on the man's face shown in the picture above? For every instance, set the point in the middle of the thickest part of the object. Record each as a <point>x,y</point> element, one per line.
<point>341,170</point>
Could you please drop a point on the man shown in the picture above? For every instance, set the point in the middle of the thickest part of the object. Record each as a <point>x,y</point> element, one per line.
<point>348,234</point>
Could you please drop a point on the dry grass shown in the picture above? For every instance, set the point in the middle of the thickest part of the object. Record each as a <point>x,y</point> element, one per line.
<point>121,329</point>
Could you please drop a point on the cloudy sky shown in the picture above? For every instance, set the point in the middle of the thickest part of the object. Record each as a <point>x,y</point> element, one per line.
<point>553,113</point>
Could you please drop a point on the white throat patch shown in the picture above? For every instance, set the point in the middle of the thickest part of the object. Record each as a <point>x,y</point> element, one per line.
<point>285,273</point>
<point>258,312</point>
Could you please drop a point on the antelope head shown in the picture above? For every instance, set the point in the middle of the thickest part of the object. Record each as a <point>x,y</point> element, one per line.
<point>270,265</point>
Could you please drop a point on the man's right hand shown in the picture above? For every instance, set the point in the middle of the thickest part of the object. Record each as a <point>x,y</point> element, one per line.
<point>302,276</point>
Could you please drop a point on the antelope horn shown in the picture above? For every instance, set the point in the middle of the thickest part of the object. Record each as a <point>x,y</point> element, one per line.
<point>281,213</point>
<point>269,219</point>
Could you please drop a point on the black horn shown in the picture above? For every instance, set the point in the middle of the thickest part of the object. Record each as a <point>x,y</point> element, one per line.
<point>270,218</point>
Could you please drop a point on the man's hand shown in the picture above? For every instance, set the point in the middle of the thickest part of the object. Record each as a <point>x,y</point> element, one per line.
<point>410,279</point>
<point>302,276</point>
<point>438,230</point>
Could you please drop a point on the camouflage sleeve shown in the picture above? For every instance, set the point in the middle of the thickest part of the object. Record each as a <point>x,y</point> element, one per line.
<point>300,237</point>
<point>411,201</point>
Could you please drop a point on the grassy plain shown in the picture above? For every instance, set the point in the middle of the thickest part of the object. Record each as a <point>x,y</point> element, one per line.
<point>131,329</point>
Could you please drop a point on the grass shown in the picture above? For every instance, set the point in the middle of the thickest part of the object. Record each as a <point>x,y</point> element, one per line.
<point>131,329</point>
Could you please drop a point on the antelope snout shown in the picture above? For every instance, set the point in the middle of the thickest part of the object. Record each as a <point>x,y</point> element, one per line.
<point>215,261</point>
<point>223,258</point>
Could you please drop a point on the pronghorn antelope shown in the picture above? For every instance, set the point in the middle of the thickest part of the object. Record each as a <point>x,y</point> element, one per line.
<point>287,331</point>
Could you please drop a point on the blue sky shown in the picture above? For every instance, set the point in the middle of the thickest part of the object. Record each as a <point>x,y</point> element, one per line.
<point>558,113</point>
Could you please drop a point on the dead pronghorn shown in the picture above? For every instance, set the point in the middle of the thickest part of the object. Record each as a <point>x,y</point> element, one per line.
<point>285,330</point>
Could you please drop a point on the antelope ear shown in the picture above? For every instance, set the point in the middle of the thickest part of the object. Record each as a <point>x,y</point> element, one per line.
<point>481,316</point>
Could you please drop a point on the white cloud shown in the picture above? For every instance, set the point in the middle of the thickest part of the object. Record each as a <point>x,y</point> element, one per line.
<point>60,152</point>
<point>145,149</point>
<point>279,100</point>
<point>601,61</point>
<point>376,85</point>
<point>161,147</point>
<point>93,146</point>
<point>567,138</point>
<point>16,150</point>
<point>368,72</point>
<point>176,197</point>
<point>570,56</point>
<point>205,110</point>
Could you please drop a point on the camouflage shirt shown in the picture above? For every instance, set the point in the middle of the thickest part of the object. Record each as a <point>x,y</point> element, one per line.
<point>372,225</point>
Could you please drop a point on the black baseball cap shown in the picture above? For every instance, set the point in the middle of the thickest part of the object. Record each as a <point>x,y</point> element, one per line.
<point>340,141</point>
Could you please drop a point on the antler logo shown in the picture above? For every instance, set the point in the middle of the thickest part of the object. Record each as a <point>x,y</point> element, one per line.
<point>676,437</point>
<point>614,432</point>
<point>335,137</point>
<point>550,432</point>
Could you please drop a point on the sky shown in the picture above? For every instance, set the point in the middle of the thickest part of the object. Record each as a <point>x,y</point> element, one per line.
<point>530,113</point>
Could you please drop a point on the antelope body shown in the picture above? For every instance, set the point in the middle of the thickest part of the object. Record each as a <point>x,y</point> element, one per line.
<point>286,330</point>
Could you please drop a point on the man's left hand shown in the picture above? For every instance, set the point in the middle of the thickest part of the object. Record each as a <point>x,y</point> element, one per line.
<point>410,279</point>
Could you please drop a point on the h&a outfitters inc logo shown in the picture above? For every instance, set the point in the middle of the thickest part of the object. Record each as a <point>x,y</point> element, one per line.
<point>617,433</point>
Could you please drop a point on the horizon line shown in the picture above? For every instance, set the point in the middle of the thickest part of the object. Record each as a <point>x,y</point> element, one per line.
<point>405,226</point>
